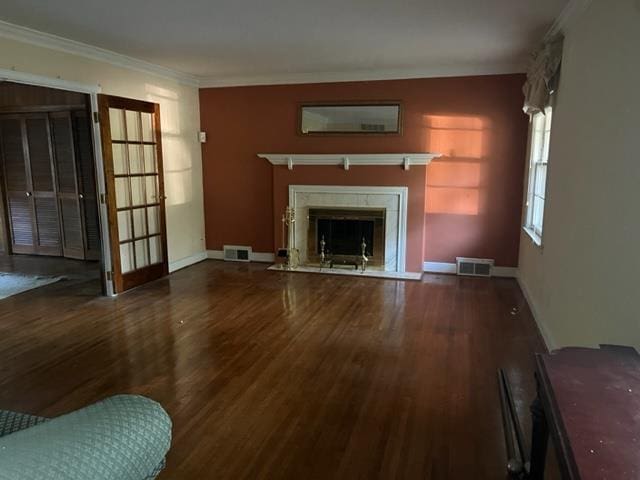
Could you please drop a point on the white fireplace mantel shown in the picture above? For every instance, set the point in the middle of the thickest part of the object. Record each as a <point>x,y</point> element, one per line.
<point>349,159</point>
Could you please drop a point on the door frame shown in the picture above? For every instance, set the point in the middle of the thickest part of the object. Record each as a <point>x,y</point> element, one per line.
<point>92,91</point>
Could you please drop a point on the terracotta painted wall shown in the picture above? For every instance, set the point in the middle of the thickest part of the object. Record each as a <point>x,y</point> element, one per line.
<point>468,205</point>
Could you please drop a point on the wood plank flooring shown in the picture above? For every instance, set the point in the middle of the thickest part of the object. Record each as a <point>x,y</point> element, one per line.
<point>275,375</point>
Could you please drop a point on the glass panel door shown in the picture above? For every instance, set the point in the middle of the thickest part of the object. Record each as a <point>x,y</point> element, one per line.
<point>133,169</point>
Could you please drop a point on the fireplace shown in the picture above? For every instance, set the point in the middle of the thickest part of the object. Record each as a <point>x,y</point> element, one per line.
<point>343,231</point>
<point>351,212</point>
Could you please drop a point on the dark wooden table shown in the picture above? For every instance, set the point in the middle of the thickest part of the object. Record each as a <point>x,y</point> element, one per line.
<point>589,401</point>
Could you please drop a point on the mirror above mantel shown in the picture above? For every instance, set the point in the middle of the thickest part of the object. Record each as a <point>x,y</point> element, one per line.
<point>347,160</point>
<point>350,118</point>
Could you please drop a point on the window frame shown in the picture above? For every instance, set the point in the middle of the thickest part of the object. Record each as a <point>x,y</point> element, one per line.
<point>540,127</point>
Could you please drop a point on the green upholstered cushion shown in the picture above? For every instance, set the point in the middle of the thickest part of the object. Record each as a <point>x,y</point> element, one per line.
<point>124,437</point>
<point>13,421</point>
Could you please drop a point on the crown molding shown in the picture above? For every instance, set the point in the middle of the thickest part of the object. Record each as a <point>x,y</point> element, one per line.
<point>54,42</point>
<point>568,15</point>
<point>27,35</point>
<point>464,70</point>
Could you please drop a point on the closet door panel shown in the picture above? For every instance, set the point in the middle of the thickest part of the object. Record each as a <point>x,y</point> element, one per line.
<point>63,149</point>
<point>71,228</point>
<point>17,186</point>
<point>92,229</point>
<point>47,219</point>
<point>48,226</point>
<point>67,185</point>
<point>13,155</point>
<point>40,154</point>
<point>85,170</point>
<point>21,224</point>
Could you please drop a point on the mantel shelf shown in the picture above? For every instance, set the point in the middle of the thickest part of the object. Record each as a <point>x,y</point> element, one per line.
<point>347,160</point>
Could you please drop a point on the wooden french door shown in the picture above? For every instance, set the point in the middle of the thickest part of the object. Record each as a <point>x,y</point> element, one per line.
<point>132,153</point>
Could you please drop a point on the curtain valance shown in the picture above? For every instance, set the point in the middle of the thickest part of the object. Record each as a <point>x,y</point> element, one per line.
<point>542,75</point>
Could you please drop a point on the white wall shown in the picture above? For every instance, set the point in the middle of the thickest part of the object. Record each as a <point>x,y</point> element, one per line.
<point>584,284</point>
<point>180,116</point>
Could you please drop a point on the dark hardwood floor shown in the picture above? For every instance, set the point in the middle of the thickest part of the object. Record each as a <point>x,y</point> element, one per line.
<point>275,375</point>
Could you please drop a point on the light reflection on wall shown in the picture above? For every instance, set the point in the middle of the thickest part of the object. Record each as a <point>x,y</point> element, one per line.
<point>178,182</point>
<point>456,182</point>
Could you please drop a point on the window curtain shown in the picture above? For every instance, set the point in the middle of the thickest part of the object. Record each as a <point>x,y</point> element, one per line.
<point>542,76</point>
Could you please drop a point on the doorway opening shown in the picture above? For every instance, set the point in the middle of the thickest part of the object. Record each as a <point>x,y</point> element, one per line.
<point>50,221</point>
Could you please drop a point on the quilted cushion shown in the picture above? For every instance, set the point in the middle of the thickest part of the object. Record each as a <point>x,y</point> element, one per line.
<point>124,437</point>
<point>12,421</point>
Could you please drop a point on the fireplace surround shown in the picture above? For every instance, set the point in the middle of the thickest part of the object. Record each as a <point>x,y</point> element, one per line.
<point>388,203</point>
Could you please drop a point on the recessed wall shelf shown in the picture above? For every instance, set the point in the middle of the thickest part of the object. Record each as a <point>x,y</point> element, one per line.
<point>347,160</point>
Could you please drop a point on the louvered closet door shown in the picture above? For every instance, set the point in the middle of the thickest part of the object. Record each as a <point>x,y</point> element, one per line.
<point>85,173</point>
<point>132,152</point>
<point>17,184</point>
<point>43,186</point>
<point>71,222</point>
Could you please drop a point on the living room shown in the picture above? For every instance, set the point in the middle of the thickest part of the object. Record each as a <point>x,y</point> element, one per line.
<point>343,240</point>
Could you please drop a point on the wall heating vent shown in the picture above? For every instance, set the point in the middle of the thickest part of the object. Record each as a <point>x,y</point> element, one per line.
<point>235,253</point>
<point>476,267</point>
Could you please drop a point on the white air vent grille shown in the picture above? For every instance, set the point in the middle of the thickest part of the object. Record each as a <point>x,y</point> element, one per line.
<point>236,253</point>
<point>476,267</point>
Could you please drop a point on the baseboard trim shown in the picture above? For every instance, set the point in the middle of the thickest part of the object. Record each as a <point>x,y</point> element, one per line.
<point>187,261</point>
<point>547,338</point>
<point>439,267</point>
<point>261,257</point>
<point>507,272</point>
<point>444,267</point>
<point>215,255</point>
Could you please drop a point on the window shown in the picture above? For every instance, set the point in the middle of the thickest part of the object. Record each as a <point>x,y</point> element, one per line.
<point>538,160</point>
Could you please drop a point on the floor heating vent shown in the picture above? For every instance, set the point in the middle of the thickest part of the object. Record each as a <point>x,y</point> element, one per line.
<point>476,267</point>
<point>235,253</point>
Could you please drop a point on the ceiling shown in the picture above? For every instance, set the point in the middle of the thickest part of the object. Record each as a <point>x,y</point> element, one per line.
<point>257,41</point>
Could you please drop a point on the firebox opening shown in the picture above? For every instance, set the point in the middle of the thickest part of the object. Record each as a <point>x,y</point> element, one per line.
<point>343,230</point>
<point>344,236</point>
